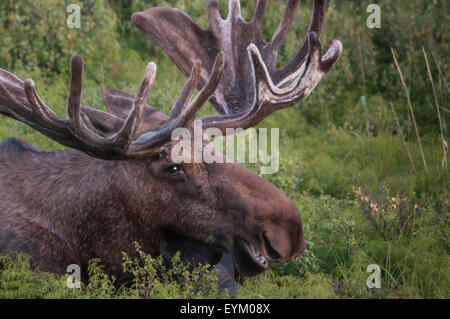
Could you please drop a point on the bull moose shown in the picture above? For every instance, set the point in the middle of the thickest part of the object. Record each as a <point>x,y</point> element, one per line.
<point>118,184</point>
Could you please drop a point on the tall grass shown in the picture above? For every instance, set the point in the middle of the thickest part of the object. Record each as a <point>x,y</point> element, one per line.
<point>413,118</point>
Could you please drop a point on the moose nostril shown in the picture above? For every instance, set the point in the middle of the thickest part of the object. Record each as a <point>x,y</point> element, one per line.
<point>273,254</point>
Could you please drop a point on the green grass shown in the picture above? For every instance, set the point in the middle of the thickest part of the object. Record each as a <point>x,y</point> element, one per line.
<point>340,155</point>
<point>342,242</point>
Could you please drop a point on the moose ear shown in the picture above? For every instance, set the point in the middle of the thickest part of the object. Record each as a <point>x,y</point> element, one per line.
<point>180,38</point>
<point>106,124</point>
<point>103,123</point>
<point>118,103</point>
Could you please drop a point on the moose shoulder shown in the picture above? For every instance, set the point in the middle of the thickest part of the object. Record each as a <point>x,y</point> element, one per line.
<point>119,184</point>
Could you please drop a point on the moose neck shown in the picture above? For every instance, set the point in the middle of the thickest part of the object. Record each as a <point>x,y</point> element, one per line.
<point>90,204</point>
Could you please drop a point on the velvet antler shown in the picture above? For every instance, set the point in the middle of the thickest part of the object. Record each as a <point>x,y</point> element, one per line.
<point>251,87</point>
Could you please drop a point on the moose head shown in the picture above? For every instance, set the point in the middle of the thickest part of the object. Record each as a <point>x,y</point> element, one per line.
<point>119,184</point>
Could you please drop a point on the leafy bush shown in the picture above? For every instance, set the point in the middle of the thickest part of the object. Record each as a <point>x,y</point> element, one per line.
<point>18,280</point>
<point>152,277</point>
<point>408,239</point>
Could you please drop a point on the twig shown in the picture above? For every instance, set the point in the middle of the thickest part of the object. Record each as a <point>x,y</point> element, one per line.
<point>403,137</point>
<point>444,143</point>
<point>440,73</point>
<point>361,62</point>
<point>410,108</point>
<point>103,77</point>
<point>443,108</point>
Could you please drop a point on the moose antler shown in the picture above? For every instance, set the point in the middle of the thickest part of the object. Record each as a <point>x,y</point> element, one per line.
<point>19,100</point>
<point>252,87</point>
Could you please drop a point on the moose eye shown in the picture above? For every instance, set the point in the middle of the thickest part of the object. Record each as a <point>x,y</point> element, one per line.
<point>174,170</point>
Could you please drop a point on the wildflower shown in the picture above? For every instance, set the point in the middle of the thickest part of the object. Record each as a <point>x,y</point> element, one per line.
<point>374,208</point>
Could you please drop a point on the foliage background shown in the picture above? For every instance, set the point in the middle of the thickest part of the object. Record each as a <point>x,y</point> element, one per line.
<point>343,160</point>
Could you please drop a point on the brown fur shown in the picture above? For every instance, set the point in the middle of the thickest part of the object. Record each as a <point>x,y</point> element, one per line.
<point>67,207</point>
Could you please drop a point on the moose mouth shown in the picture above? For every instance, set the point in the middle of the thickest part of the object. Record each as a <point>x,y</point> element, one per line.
<point>251,260</point>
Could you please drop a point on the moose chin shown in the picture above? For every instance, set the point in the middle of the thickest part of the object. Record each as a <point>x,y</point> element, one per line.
<point>118,184</point>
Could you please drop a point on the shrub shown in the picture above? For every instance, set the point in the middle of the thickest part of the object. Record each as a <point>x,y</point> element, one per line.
<point>19,280</point>
<point>153,278</point>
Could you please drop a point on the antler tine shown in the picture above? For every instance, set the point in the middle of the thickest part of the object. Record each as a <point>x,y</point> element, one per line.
<point>26,106</point>
<point>126,133</point>
<point>234,10</point>
<point>38,108</point>
<point>11,88</point>
<point>213,15</point>
<point>12,97</point>
<point>246,80</point>
<point>115,146</point>
<point>184,113</point>
<point>299,89</point>
<point>208,90</point>
<point>305,70</point>
<point>260,12</point>
<point>45,120</point>
<point>312,71</point>
<point>20,101</point>
<point>188,90</point>
<point>332,55</point>
<point>291,69</point>
<point>280,33</point>
<point>212,9</point>
<point>73,117</point>
<point>269,97</point>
